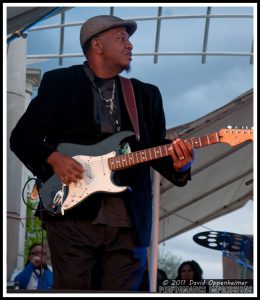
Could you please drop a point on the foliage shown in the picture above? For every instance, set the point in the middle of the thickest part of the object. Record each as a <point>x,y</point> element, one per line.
<point>34,232</point>
<point>168,262</point>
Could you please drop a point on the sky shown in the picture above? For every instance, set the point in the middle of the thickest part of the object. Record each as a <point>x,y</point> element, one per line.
<point>189,88</point>
<point>186,81</point>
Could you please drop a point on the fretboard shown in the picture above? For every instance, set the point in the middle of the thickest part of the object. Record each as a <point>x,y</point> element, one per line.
<point>128,160</point>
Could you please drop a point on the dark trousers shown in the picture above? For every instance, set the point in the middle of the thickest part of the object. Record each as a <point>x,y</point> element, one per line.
<point>94,257</point>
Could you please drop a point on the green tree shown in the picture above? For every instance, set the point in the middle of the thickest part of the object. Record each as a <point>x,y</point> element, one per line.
<point>168,262</point>
<point>34,232</point>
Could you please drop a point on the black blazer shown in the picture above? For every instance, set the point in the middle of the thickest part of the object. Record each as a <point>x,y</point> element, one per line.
<point>64,111</point>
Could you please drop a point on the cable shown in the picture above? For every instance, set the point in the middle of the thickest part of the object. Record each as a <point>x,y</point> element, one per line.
<point>38,184</point>
<point>24,201</point>
<point>19,33</point>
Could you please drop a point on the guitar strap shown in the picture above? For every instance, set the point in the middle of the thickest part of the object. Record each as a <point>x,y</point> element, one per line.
<point>129,97</point>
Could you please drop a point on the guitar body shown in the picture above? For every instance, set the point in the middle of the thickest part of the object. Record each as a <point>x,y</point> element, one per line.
<point>97,176</point>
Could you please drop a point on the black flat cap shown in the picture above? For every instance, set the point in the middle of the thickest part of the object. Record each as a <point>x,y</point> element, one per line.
<point>102,23</point>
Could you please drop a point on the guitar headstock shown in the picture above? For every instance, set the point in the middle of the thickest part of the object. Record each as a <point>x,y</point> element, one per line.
<point>235,136</point>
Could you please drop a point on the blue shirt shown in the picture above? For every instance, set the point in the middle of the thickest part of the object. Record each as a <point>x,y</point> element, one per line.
<point>31,278</point>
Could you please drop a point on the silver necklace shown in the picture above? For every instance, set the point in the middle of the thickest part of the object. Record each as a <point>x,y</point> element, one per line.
<point>109,102</point>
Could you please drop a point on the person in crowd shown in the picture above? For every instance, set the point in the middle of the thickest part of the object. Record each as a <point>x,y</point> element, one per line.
<point>190,270</point>
<point>161,278</point>
<point>89,105</point>
<point>145,283</point>
<point>36,274</point>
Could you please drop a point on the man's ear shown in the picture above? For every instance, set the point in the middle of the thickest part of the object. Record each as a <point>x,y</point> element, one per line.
<point>97,45</point>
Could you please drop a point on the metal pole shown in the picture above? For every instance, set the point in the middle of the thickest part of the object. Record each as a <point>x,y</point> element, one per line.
<point>206,34</point>
<point>61,37</point>
<point>188,53</point>
<point>111,11</point>
<point>16,78</point>
<point>155,233</point>
<point>158,30</point>
<point>252,49</point>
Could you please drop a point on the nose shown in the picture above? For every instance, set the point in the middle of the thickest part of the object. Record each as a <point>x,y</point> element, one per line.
<point>129,45</point>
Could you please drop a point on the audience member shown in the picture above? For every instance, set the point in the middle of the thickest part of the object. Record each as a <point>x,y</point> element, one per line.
<point>190,270</point>
<point>36,274</point>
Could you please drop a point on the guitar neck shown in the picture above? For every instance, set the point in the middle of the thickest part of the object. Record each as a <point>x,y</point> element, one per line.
<point>131,159</point>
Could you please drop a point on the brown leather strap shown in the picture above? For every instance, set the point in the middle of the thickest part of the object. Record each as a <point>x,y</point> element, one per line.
<point>129,96</point>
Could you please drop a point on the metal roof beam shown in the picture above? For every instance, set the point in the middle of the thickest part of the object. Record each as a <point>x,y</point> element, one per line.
<point>206,34</point>
<point>158,31</point>
<point>149,19</point>
<point>62,21</point>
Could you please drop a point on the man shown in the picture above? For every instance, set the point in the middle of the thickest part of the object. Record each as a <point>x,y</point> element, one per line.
<point>100,243</point>
<point>36,275</point>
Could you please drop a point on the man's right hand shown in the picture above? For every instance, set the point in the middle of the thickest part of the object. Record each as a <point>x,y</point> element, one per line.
<point>67,168</point>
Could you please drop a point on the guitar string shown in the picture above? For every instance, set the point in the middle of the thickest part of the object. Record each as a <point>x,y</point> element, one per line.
<point>138,155</point>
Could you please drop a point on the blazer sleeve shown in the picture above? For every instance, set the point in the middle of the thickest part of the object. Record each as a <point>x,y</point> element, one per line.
<point>164,165</point>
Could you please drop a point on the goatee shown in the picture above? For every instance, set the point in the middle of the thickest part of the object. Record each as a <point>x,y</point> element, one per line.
<point>128,68</point>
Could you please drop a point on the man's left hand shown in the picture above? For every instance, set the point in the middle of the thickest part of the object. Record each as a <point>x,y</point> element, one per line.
<point>182,153</point>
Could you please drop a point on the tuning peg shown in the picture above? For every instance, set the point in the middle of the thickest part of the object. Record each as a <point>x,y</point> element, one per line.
<point>229,127</point>
<point>242,127</point>
<point>246,127</point>
<point>236,127</point>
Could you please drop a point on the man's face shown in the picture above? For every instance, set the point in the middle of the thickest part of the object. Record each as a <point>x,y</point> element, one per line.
<point>116,47</point>
<point>38,256</point>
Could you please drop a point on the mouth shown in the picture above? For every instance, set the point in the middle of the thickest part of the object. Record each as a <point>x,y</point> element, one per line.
<point>129,55</point>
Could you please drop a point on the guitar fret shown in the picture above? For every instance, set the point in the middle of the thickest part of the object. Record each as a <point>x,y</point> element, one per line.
<point>136,155</point>
<point>212,139</point>
<point>129,159</point>
<point>208,139</point>
<point>195,144</point>
<point>166,149</point>
<point>143,156</point>
<point>157,152</point>
<point>118,162</point>
<point>150,153</point>
<point>217,137</point>
<point>202,141</point>
<point>191,141</point>
<point>111,163</point>
<point>139,156</point>
<point>126,159</point>
<point>133,158</point>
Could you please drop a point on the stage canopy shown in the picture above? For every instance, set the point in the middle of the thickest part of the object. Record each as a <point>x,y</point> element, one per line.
<point>222,176</point>
<point>20,17</point>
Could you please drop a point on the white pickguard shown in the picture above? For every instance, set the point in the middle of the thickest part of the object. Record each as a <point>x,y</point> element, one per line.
<point>96,178</point>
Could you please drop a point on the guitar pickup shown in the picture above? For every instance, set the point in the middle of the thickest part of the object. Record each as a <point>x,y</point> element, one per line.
<point>57,199</point>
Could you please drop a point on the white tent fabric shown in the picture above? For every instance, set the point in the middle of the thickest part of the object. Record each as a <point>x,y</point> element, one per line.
<point>222,175</point>
<point>20,17</point>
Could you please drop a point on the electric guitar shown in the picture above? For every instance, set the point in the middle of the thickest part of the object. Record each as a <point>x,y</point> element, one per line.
<point>99,167</point>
